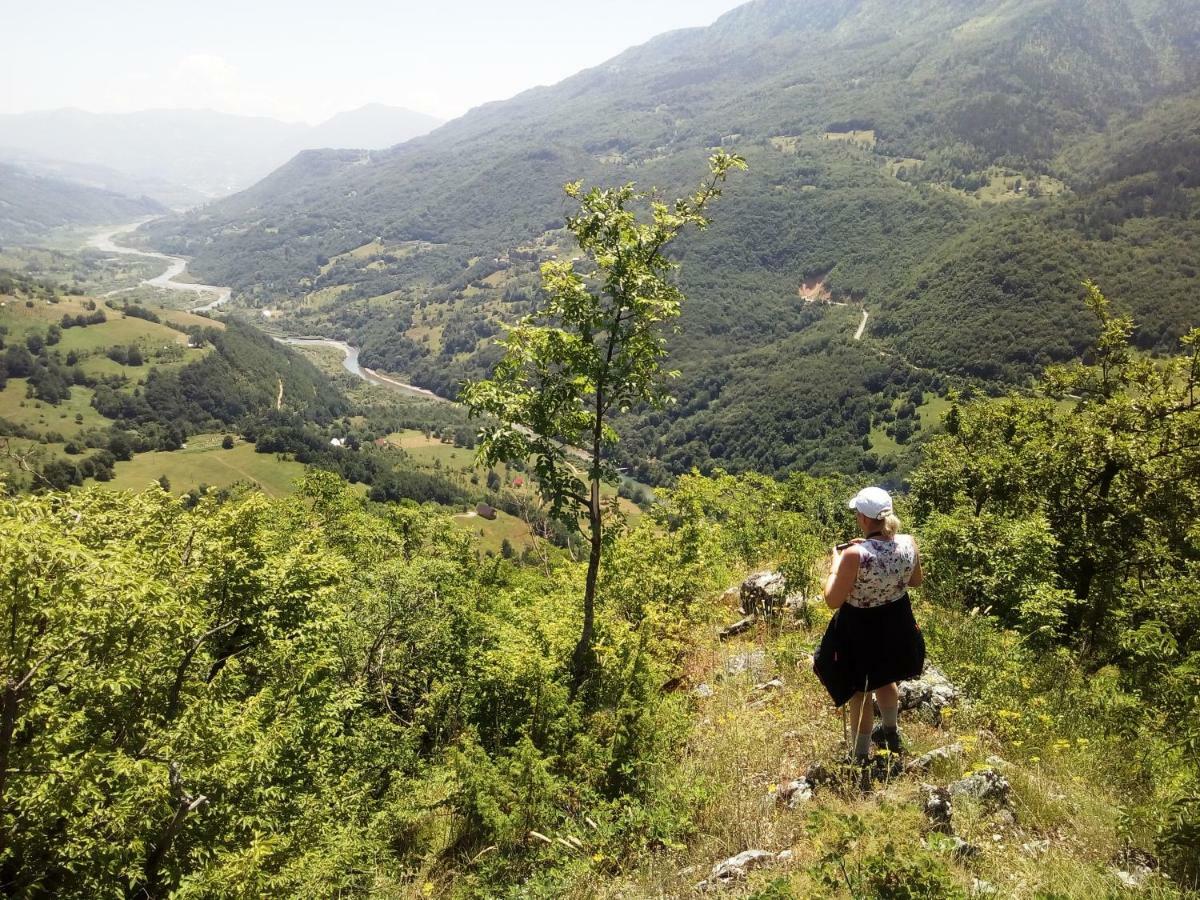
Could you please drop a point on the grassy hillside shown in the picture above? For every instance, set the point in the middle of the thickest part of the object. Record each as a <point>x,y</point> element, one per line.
<point>87,382</point>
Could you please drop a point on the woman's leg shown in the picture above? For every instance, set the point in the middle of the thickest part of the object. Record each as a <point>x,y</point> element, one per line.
<point>888,698</point>
<point>862,717</point>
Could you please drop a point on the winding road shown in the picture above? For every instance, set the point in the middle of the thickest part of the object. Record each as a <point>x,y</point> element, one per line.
<point>862,326</point>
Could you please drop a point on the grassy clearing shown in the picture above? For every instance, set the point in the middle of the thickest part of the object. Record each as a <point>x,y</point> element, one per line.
<point>183,319</point>
<point>120,330</point>
<point>459,462</point>
<point>203,461</point>
<point>931,411</point>
<point>491,533</point>
<point>1009,186</point>
<point>68,418</point>
<point>907,163</point>
<point>786,143</point>
<point>864,138</point>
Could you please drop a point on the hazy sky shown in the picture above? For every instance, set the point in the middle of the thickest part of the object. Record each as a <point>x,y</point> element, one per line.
<point>305,60</point>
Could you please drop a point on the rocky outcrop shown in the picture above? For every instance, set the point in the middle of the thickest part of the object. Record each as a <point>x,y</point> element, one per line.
<point>988,786</point>
<point>763,593</point>
<point>795,794</point>
<point>929,694</point>
<point>735,868</point>
<point>938,808</point>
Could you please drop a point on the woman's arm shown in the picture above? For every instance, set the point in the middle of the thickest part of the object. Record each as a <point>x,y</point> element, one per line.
<point>918,575</point>
<point>841,578</point>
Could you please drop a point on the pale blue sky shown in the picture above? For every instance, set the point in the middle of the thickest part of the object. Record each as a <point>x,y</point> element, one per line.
<point>305,60</point>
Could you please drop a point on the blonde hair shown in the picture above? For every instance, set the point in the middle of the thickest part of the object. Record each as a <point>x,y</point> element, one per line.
<point>888,526</point>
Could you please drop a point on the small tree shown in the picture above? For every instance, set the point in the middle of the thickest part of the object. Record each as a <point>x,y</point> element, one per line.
<point>595,349</point>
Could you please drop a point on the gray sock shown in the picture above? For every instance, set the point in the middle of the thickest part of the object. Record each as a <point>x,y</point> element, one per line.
<point>890,715</point>
<point>862,744</point>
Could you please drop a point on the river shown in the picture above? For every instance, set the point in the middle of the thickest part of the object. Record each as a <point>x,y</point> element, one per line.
<point>105,241</point>
<point>351,364</point>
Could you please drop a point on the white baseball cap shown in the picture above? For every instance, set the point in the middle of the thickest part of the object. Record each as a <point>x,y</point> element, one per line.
<point>872,502</point>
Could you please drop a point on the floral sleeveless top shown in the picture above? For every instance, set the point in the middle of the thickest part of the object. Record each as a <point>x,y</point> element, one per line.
<point>884,568</point>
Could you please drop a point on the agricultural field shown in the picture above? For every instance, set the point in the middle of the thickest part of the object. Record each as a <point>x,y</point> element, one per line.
<point>864,138</point>
<point>492,533</point>
<point>68,418</point>
<point>203,461</point>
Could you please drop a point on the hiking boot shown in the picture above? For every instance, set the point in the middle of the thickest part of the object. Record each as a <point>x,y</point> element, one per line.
<point>859,771</point>
<point>887,739</point>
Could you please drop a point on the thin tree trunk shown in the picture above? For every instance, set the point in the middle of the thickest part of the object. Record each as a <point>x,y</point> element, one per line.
<point>583,659</point>
<point>185,805</point>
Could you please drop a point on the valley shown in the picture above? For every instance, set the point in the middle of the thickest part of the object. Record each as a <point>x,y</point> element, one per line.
<point>395,509</point>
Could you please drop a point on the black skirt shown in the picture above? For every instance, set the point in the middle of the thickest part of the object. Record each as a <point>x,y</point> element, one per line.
<point>865,649</point>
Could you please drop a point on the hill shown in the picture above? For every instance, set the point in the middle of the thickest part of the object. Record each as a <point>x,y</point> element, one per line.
<point>32,204</point>
<point>207,153</point>
<point>102,177</point>
<point>936,162</point>
<point>86,382</point>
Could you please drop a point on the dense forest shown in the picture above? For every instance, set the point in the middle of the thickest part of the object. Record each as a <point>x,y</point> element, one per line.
<point>955,169</point>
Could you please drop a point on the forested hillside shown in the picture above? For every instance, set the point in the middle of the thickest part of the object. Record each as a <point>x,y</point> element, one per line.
<point>958,168</point>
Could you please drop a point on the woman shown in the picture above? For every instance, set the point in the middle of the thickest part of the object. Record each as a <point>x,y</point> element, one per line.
<point>868,586</point>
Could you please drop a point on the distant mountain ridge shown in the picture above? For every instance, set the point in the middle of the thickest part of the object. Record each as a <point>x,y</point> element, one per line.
<point>32,204</point>
<point>208,154</point>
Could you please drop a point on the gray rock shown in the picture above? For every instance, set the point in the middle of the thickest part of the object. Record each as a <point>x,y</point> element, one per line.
<point>989,786</point>
<point>736,867</point>
<point>938,807</point>
<point>795,793</point>
<point>981,888</point>
<point>785,856</point>
<point>769,687</point>
<point>1135,877</point>
<point>754,662</point>
<point>763,592</point>
<point>799,602</point>
<point>703,691</point>
<point>1035,848</point>
<point>927,761</point>
<point>929,694</point>
<point>739,627</point>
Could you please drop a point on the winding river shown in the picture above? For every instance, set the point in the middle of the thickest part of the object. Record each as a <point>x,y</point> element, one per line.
<point>351,364</point>
<point>105,241</point>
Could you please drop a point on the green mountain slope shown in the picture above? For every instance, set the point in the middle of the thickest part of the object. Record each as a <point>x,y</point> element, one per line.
<point>952,165</point>
<point>31,204</point>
